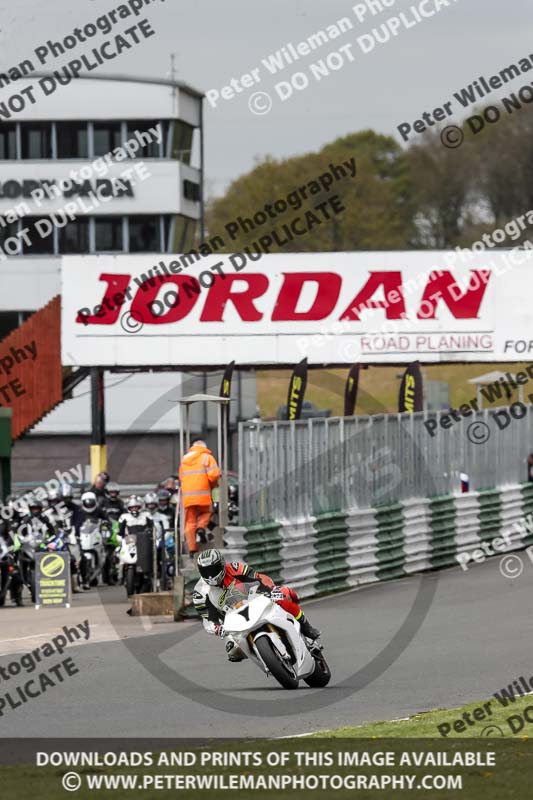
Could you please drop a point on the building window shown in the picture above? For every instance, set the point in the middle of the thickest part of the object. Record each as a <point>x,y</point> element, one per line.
<point>181,145</point>
<point>191,191</point>
<point>8,142</point>
<point>167,229</point>
<point>108,235</point>
<point>36,140</point>
<point>150,150</point>
<point>145,234</point>
<point>74,237</point>
<point>107,137</point>
<point>40,240</point>
<point>72,140</point>
<point>8,230</point>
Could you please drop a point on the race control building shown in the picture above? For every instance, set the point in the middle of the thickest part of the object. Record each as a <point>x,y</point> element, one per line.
<point>157,209</point>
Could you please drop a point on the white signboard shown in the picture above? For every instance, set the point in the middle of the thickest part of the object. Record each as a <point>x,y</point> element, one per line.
<point>332,308</point>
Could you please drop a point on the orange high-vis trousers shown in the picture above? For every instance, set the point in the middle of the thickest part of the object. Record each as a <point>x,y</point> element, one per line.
<point>195,517</point>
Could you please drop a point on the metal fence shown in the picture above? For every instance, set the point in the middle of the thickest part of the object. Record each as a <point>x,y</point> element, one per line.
<point>292,469</point>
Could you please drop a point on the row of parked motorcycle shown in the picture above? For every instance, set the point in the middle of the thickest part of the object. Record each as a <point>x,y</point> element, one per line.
<point>109,541</point>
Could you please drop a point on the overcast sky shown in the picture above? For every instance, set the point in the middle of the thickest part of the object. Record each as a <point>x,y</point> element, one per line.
<point>215,41</point>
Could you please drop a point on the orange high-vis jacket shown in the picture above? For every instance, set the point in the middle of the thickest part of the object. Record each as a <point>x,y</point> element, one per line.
<point>198,473</point>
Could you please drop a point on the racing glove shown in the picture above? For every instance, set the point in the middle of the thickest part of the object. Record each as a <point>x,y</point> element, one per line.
<point>214,629</point>
<point>276,594</point>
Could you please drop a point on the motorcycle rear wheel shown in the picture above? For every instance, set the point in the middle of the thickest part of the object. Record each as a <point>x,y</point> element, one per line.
<point>275,664</point>
<point>321,675</point>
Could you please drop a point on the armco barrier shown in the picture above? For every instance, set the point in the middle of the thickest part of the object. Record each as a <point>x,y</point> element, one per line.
<point>335,551</point>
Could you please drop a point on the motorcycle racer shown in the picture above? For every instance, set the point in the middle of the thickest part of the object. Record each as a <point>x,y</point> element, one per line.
<point>216,576</point>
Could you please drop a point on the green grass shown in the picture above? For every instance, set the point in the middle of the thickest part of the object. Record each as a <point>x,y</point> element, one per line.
<point>378,386</point>
<point>508,779</point>
<point>426,724</point>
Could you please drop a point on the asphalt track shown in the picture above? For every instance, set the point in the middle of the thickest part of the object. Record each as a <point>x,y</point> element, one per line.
<point>475,638</point>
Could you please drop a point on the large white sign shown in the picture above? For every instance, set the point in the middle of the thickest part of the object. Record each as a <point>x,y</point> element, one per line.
<point>333,308</point>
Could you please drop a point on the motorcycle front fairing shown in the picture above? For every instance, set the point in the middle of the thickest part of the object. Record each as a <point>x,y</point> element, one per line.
<point>259,615</point>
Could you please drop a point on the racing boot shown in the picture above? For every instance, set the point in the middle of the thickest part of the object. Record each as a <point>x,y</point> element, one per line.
<point>201,537</point>
<point>307,629</point>
<point>234,653</point>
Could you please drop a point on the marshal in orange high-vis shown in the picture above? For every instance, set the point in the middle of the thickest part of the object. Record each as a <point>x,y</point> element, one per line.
<point>199,473</point>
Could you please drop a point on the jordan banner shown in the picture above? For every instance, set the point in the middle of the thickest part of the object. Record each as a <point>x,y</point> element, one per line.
<point>297,386</point>
<point>350,390</point>
<point>411,396</point>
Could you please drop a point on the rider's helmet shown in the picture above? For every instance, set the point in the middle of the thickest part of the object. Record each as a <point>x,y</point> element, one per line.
<point>233,492</point>
<point>35,506</point>
<point>163,496</point>
<point>134,504</point>
<point>150,501</point>
<point>54,496</point>
<point>112,490</point>
<point>66,490</point>
<point>211,565</point>
<point>89,502</point>
<point>11,499</point>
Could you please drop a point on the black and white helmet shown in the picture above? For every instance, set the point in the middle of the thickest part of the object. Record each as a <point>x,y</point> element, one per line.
<point>89,501</point>
<point>211,564</point>
<point>112,490</point>
<point>151,500</point>
<point>134,504</point>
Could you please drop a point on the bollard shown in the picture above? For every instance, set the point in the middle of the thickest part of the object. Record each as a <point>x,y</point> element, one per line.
<point>178,596</point>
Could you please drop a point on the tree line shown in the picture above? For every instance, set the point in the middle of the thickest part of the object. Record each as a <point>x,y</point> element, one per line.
<point>426,196</point>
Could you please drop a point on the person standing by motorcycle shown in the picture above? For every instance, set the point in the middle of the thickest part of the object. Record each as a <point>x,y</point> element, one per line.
<point>113,505</point>
<point>99,486</point>
<point>137,522</point>
<point>161,521</point>
<point>199,474</point>
<point>35,522</point>
<point>61,511</point>
<point>165,507</point>
<point>91,511</point>
<point>216,575</point>
<point>163,533</point>
<point>34,533</point>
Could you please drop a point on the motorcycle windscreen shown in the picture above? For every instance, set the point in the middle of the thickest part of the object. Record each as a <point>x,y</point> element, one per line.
<point>145,555</point>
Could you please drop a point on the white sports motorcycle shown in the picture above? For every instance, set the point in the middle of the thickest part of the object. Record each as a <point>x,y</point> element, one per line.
<point>272,638</point>
<point>92,551</point>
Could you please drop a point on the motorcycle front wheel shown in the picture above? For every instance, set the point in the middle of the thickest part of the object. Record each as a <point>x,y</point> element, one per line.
<point>275,664</point>
<point>130,581</point>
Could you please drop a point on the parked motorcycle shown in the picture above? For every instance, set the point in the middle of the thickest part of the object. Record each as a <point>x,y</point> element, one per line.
<point>110,572</point>
<point>136,561</point>
<point>26,547</point>
<point>92,552</point>
<point>165,559</point>
<point>11,579</point>
<point>271,638</point>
